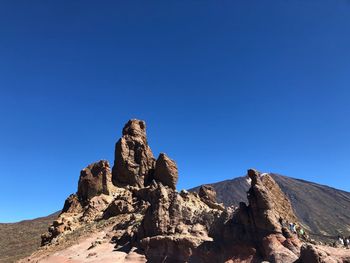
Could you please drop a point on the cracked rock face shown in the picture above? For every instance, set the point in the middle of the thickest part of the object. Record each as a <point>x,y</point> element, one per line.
<point>94,180</point>
<point>134,159</point>
<point>253,232</point>
<point>166,171</point>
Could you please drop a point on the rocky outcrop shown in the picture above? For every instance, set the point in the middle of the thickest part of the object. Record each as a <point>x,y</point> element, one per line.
<point>147,213</point>
<point>254,231</point>
<point>134,159</point>
<point>94,180</point>
<point>208,195</point>
<point>95,191</point>
<point>123,203</point>
<point>166,171</point>
<point>142,198</point>
<point>207,192</point>
<point>72,205</point>
<point>174,224</point>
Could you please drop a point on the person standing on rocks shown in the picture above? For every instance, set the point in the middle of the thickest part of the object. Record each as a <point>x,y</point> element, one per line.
<point>347,242</point>
<point>291,227</point>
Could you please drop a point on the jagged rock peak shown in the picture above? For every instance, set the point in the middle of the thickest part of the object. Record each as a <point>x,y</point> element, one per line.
<point>265,193</point>
<point>253,174</point>
<point>166,171</point>
<point>134,161</point>
<point>136,128</point>
<point>94,180</point>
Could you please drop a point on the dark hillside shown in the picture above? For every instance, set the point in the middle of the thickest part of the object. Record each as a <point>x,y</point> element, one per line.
<point>18,240</point>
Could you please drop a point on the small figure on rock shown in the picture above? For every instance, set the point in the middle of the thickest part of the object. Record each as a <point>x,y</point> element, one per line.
<point>347,242</point>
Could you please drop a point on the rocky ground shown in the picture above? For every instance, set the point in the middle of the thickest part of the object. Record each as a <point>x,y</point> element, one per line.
<point>86,245</point>
<point>133,213</point>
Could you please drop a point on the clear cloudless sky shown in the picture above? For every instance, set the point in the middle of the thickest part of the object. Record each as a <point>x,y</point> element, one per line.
<point>222,85</point>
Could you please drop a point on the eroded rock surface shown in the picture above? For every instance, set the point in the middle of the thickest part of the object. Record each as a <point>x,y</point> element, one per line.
<point>166,171</point>
<point>134,159</point>
<point>323,254</point>
<point>94,180</point>
<point>253,233</point>
<point>145,213</point>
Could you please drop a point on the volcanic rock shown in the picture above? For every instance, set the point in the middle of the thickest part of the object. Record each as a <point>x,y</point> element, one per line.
<point>166,171</point>
<point>254,227</point>
<point>268,203</point>
<point>208,195</point>
<point>94,180</point>
<point>322,210</point>
<point>134,161</point>
<point>174,224</point>
<point>145,213</point>
<point>72,205</point>
<point>322,254</point>
<point>122,204</point>
<point>207,192</point>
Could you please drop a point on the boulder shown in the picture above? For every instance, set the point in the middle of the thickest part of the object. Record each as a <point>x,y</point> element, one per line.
<point>322,254</point>
<point>134,161</point>
<point>166,171</point>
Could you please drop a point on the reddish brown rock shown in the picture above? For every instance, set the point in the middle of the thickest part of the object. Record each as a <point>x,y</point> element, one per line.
<point>94,180</point>
<point>255,227</point>
<point>168,248</point>
<point>166,171</point>
<point>122,204</point>
<point>134,161</point>
<point>207,194</point>
<point>72,205</point>
<point>145,211</point>
<point>322,254</point>
<point>268,203</point>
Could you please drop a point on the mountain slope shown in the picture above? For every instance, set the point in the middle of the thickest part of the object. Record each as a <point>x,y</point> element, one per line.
<point>324,210</point>
<point>18,240</point>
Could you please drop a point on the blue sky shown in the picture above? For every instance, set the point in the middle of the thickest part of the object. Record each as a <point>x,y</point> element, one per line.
<point>223,86</point>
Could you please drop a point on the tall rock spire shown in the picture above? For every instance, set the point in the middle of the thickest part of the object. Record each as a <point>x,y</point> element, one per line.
<point>134,161</point>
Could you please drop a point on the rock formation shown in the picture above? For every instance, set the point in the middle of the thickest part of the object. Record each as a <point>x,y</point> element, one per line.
<point>207,192</point>
<point>134,159</point>
<point>208,195</point>
<point>94,180</point>
<point>253,233</point>
<point>166,171</point>
<point>323,254</point>
<point>146,212</point>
